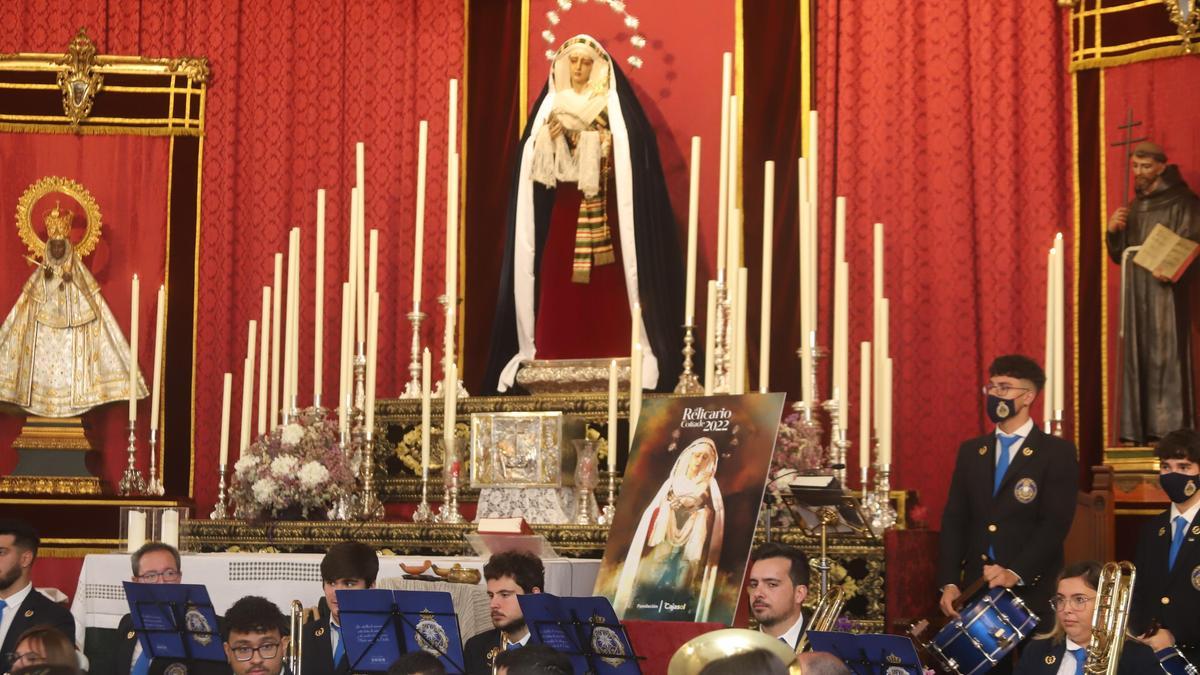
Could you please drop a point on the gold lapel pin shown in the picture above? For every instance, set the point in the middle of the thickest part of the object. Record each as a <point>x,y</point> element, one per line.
<point>982,451</point>
<point>1027,452</point>
<point>130,635</point>
<point>1196,529</point>
<point>1162,531</point>
<point>1050,660</point>
<point>28,613</point>
<point>319,632</point>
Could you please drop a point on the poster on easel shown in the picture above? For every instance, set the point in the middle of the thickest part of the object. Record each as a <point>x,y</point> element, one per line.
<point>689,502</point>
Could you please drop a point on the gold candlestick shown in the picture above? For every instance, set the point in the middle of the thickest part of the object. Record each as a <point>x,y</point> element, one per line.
<point>219,512</point>
<point>154,486</point>
<point>413,388</point>
<point>132,481</point>
<point>688,382</point>
<point>370,508</point>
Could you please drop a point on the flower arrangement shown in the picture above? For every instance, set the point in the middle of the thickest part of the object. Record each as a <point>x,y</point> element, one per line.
<point>298,467</point>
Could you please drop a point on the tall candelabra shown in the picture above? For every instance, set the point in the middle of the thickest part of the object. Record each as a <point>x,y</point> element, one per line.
<point>688,382</point>
<point>413,388</point>
<point>154,486</point>
<point>448,512</point>
<point>878,502</point>
<point>424,514</point>
<point>132,481</point>
<point>370,508</point>
<point>451,309</point>
<point>722,355</point>
<point>839,445</point>
<point>219,511</point>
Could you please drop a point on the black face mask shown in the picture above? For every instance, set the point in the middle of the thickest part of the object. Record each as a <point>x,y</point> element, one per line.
<point>1179,486</point>
<point>1000,409</point>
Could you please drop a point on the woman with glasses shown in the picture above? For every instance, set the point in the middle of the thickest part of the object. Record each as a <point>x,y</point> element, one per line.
<point>43,646</point>
<point>1063,651</point>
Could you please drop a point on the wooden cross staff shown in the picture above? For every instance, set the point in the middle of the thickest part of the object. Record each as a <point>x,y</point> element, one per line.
<point>1128,142</point>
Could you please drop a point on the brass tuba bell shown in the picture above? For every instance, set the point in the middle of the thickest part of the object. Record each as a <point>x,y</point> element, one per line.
<point>701,650</point>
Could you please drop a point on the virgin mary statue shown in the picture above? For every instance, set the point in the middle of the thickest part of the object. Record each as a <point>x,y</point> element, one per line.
<point>61,350</point>
<point>671,568</point>
<point>590,230</point>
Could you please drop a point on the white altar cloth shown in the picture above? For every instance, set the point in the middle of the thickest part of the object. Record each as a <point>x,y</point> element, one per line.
<point>282,577</point>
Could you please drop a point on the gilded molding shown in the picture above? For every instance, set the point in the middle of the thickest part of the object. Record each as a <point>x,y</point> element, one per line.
<point>78,78</point>
<point>49,485</point>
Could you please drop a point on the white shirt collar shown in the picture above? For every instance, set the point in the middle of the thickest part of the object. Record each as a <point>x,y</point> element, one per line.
<point>1188,516</point>
<point>792,635</point>
<point>1072,646</point>
<point>1021,431</point>
<point>525,640</point>
<point>14,601</point>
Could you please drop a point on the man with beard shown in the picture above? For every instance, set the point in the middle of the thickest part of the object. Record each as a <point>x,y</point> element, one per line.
<point>1156,380</point>
<point>21,607</point>
<point>255,637</point>
<point>777,588</point>
<point>508,575</point>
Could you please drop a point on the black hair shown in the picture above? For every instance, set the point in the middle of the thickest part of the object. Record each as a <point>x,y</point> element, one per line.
<point>253,614</point>
<point>799,572</point>
<point>534,660</point>
<point>23,534</point>
<point>135,558</point>
<point>525,569</point>
<point>759,661</point>
<point>1019,366</point>
<point>350,560</point>
<point>417,663</point>
<point>1179,444</point>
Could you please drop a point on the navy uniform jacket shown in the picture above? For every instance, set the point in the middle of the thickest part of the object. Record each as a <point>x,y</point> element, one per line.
<point>317,658</point>
<point>1043,657</point>
<point>36,610</point>
<point>479,652</point>
<point>1170,596</point>
<point>1025,522</point>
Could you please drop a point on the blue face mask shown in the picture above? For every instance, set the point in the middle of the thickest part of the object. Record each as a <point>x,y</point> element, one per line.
<point>1000,409</point>
<point>1179,486</point>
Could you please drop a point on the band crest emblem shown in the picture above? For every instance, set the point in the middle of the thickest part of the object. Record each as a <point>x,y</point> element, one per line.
<point>201,630</point>
<point>176,668</point>
<point>608,645</point>
<point>1025,491</point>
<point>1196,577</point>
<point>430,636</point>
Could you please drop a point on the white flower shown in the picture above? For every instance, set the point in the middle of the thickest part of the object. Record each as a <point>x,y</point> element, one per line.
<point>264,490</point>
<point>313,474</point>
<point>284,465</point>
<point>246,464</point>
<point>292,434</point>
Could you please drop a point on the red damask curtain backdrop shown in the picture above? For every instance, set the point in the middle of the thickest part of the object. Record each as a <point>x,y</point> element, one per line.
<point>295,84</point>
<point>950,123</point>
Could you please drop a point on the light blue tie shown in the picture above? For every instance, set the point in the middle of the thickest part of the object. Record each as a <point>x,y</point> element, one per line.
<point>3,604</point>
<point>1080,655</point>
<point>141,665</point>
<point>1176,541</point>
<point>1006,442</point>
<point>518,645</point>
<point>339,652</point>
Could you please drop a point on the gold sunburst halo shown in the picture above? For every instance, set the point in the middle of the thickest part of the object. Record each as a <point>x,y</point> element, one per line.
<point>50,185</point>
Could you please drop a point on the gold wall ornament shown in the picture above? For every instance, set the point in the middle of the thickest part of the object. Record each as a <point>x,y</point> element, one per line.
<point>65,186</point>
<point>1185,14</point>
<point>78,79</point>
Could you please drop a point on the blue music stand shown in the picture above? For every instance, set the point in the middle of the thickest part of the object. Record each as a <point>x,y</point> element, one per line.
<point>175,622</point>
<point>872,654</point>
<point>379,625</point>
<point>585,629</point>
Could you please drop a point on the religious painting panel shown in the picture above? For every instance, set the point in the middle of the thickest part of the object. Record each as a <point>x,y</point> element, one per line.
<point>689,502</point>
<point>1151,322</point>
<point>100,183</point>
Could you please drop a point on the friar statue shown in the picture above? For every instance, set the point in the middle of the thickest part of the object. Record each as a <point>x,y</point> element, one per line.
<point>1156,392</point>
<point>61,351</point>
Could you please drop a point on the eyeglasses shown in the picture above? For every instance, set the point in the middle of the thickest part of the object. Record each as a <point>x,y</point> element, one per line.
<point>267,651</point>
<point>169,576</point>
<point>1002,390</point>
<point>1076,602</point>
<point>24,658</point>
